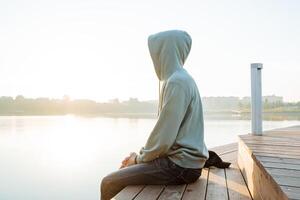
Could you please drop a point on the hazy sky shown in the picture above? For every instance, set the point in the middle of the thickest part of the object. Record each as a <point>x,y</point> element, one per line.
<point>98,49</point>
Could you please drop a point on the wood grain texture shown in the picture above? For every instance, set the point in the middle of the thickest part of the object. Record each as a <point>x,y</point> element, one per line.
<point>150,192</point>
<point>129,193</point>
<point>293,193</point>
<point>216,186</point>
<point>272,162</point>
<point>237,188</point>
<point>281,165</point>
<point>260,184</point>
<point>284,172</point>
<point>172,192</point>
<point>278,160</point>
<point>197,190</point>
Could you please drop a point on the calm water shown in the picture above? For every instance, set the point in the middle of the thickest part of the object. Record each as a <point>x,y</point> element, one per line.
<point>64,158</point>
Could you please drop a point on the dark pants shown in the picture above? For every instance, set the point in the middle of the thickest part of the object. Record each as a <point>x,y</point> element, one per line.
<point>161,171</point>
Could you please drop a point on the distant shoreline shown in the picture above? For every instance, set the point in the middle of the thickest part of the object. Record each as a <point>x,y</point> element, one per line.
<point>213,107</point>
<point>268,116</point>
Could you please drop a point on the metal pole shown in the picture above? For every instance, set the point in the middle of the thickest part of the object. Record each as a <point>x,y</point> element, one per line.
<point>256,98</point>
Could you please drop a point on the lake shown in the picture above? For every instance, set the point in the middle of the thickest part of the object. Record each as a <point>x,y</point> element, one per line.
<point>65,157</point>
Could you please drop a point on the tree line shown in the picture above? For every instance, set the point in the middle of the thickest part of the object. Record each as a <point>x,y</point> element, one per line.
<point>46,106</point>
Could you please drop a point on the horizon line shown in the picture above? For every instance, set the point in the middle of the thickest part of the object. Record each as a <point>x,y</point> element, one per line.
<point>69,98</point>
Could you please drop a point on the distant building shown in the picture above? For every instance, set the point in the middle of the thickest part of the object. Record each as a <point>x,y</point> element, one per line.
<point>132,101</point>
<point>220,103</point>
<point>273,99</point>
<point>116,101</point>
<point>265,99</point>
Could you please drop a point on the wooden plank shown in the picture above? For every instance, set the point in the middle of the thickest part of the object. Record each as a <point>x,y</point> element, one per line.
<point>286,133</point>
<point>293,155</point>
<point>281,165</point>
<point>273,143</point>
<point>279,153</point>
<point>172,192</point>
<point>287,180</point>
<point>267,138</point>
<point>274,155</point>
<point>277,145</point>
<point>197,190</point>
<point>293,193</point>
<point>283,132</point>
<point>246,167</point>
<point>278,159</point>
<point>129,193</point>
<point>150,192</point>
<point>216,186</point>
<point>287,149</point>
<point>260,183</point>
<point>285,172</point>
<point>293,135</point>
<point>237,188</point>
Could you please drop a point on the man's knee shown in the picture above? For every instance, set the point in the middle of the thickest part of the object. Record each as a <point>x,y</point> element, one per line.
<point>110,186</point>
<point>106,183</point>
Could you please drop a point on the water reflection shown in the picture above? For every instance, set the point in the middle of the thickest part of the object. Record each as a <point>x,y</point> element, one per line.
<point>64,157</point>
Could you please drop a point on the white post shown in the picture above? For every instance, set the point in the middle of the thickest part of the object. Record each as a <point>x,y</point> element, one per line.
<point>256,98</point>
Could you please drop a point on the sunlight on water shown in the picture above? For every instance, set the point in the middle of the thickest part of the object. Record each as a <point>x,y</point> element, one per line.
<point>64,157</point>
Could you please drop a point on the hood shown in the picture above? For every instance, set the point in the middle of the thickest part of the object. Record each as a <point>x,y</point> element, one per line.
<point>169,50</point>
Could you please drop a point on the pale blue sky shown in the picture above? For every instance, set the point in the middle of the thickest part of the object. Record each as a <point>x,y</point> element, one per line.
<point>98,49</point>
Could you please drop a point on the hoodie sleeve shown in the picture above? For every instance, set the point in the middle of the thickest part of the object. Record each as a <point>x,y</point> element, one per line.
<point>164,133</point>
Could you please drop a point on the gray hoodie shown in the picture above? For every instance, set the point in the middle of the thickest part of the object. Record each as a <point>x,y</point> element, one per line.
<point>179,131</point>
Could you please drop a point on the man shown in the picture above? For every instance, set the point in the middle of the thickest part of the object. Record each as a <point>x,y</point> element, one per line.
<point>175,152</point>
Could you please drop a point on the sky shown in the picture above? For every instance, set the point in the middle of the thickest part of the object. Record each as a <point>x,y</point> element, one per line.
<point>98,49</point>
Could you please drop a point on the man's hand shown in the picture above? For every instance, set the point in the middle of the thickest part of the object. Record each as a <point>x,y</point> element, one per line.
<point>124,162</point>
<point>129,160</point>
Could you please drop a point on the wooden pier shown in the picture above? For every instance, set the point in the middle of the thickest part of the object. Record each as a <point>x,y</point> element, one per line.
<point>271,163</point>
<point>263,167</point>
